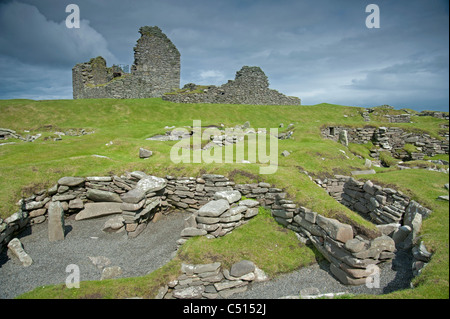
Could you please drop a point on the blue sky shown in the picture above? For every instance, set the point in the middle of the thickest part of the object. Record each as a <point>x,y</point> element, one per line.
<point>318,50</point>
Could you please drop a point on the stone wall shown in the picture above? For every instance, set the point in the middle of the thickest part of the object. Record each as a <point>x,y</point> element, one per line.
<point>217,206</point>
<point>380,205</point>
<point>156,70</point>
<point>396,214</point>
<point>7,134</point>
<point>212,281</point>
<point>250,86</point>
<point>391,139</point>
<point>401,118</point>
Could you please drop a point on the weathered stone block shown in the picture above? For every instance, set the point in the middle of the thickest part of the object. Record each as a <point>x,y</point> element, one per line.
<point>230,196</point>
<point>56,228</point>
<point>102,196</point>
<point>335,229</point>
<point>344,278</point>
<point>192,232</point>
<point>92,210</point>
<point>214,208</point>
<point>242,268</point>
<point>15,246</point>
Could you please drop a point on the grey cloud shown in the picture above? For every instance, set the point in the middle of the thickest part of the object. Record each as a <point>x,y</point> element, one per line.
<point>30,37</point>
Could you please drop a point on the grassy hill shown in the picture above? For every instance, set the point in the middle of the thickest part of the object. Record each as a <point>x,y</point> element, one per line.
<point>121,127</point>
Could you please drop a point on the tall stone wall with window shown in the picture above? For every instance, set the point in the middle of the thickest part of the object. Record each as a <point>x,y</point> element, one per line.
<point>156,70</point>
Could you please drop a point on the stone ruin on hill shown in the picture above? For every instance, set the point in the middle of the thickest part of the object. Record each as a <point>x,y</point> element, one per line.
<point>250,86</point>
<point>156,71</point>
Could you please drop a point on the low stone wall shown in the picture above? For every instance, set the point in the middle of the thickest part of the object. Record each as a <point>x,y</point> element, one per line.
<point>396,214</point>
<point>401,118</point>
<point>212,281</point>
<point>391,139</point>
<point>217,207</point>
<point>380,205</point>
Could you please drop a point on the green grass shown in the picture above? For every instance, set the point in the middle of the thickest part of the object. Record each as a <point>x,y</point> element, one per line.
<point>27,167</point>
<point>362,150</point>
<point>387,159</point>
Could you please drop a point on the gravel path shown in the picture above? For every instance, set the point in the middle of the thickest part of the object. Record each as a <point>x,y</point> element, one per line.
<point>149,251</point>
<point>138,256</point>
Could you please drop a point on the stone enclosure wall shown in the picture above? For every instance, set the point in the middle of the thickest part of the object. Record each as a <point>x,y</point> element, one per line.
<point>391,139</point>
<point>156,70</point>
<point>250,86</point>
<point>217,208</point>
<point>396,214</point>
<point>212,281</point>
<point>401,118</point>
<point>380,205</point>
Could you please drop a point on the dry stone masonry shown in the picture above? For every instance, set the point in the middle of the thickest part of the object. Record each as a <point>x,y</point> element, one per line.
<point>156,70</point>
<point>250,86</point>
<point>212,281</point>
<point>217,206</point>
<point>390,139</point>
<point>396,215</point>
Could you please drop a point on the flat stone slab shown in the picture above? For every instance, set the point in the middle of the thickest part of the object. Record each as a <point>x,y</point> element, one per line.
<point>204,268</point>
<point>193,292</point>
<point>249,203</point>
<point>93,210</point>
<point>230,196</point>
<point>151,184</point>
<point>214,208</point>
<point>97,195</point>
<point>71,181</point>
<point>133,196</point>
<point>242,268</point>
<point>192,232</point>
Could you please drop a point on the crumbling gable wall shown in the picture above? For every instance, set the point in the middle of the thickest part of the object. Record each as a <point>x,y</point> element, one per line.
<point>156,70</point>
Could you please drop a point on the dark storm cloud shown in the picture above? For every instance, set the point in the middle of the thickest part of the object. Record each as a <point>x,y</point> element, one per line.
<point>318,50</point>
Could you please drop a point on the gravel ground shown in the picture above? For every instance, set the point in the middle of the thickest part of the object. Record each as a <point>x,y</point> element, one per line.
<point>394,275</point>
<point>149,251</point>
<point>137,257</point>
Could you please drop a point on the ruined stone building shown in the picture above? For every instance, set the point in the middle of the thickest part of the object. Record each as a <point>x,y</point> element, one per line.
<point>156,70</point>
<point>250,86</point>
<point>156,73</point>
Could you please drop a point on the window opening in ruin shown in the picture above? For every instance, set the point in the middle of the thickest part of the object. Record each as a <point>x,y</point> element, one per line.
<point>332,131</point>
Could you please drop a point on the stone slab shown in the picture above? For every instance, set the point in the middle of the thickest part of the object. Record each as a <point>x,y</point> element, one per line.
<point>93,210</point>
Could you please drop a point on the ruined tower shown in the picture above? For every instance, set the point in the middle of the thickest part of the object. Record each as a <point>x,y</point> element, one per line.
<point>156,70</point>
